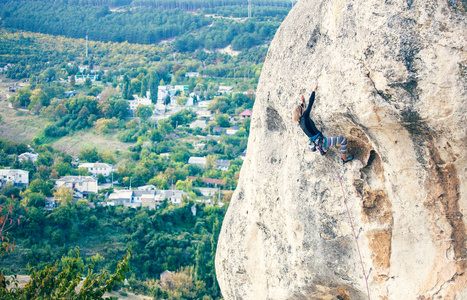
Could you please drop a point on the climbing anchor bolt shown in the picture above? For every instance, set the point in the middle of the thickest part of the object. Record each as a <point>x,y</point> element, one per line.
<point>358,234</point>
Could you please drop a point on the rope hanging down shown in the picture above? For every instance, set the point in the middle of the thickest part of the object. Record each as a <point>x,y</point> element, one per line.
<point>353,229</point>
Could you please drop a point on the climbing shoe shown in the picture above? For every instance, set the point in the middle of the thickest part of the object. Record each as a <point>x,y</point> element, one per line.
<point>349,158</point>
<point>312,147</point>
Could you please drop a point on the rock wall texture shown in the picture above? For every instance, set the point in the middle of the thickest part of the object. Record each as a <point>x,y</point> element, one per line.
<point>393,79</point>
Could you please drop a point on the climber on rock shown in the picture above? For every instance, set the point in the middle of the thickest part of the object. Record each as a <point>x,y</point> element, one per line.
<point>317,140</point>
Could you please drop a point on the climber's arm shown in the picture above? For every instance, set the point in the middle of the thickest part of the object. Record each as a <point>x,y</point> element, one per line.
<point>311,100</point>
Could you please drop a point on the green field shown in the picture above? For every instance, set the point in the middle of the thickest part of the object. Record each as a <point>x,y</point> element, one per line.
<point>22,126</point>
<point>17,125</point>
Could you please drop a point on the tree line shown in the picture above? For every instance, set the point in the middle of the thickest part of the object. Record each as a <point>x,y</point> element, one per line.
<point>99,23</point>
<point>172,4</point>
<point>193,5</point>
<point>143,26</point>
<point>110,3</point>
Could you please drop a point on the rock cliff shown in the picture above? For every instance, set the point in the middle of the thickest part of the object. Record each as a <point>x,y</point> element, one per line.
<point>392,79</point>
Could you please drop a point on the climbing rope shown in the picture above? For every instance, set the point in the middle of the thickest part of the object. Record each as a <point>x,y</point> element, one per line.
<point>351,225</point>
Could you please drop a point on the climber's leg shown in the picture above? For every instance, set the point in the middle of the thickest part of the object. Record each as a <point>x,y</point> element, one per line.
<point>338,141</point>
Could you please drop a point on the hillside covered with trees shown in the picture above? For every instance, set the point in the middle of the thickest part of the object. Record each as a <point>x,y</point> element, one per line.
<point>192,23</point>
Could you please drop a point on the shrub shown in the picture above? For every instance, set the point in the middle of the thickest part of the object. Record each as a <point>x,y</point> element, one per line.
<point>54,131</point>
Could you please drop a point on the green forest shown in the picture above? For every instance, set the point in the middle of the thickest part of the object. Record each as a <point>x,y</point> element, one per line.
<point>147,22</point>
<point>133,46</point>
<point>171,238</point>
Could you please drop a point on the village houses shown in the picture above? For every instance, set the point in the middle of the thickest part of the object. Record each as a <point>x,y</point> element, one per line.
<point>19,178</point>
<point>5,68</point>
<point>231,130</point>
<point>28,156</point>
<point>198,123</point>
<point>223,89</point>
<point>97,168</point>
<point>201,162</point>
<point>140,101</point>
<point>83,184</point>
<point>145,198</point>
<point>223,164</point>
<point>245,114</point>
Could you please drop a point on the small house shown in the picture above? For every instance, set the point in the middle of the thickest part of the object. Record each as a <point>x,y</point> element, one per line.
<point>200,161</point>
<point>245,114</point>
<point>120,197</point>
<point>223,89</point>
<point>97,168</point>
<point>19,178</point>
<point>232,130</point>
<point>199,123</point>
<point>223,164</point>
<point>140,101</point>
<point>28,156</point>
<point>70,94</point>
<point>83,184</point>
<point>191,74</point>
<point>174,196</point>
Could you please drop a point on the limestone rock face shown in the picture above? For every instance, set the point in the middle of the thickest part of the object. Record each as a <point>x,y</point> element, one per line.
<point>393,80</point>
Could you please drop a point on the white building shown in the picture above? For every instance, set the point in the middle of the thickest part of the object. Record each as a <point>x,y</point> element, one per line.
<point>140,101</point>
<point>17,177</point>
<point>181,88</point>
<point>28,156</point>
<point>190,101</point>
<point>231,130</point>
<point>138,195</point>
<point>120,197</point>
<point>192,74</point>
<point>164,91</point>
<point>200,161</point>
<point>173,196</point>
<point>144,198</point>
<point>223,164</point>
<point>223,89</point>
<point>84,184</point>
<point>199,123</point>
<point>97,168</point>
<point>204,104</point>
<point>205,114</point>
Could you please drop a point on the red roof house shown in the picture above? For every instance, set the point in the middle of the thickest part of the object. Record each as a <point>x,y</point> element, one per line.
<point>246,114</point>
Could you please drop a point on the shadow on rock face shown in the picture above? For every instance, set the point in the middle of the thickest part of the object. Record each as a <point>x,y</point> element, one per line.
<point>322,290</point>
<point>274,120</point>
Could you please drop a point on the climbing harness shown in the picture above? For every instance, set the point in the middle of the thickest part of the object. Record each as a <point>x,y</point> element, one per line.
<point>316,143</point>
<point>351,225</point>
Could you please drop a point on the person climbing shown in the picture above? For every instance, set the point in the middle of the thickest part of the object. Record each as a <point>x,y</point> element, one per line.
<point>317,140</point>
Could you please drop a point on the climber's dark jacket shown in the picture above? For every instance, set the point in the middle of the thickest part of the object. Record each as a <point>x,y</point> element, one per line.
<point>306,123</point>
